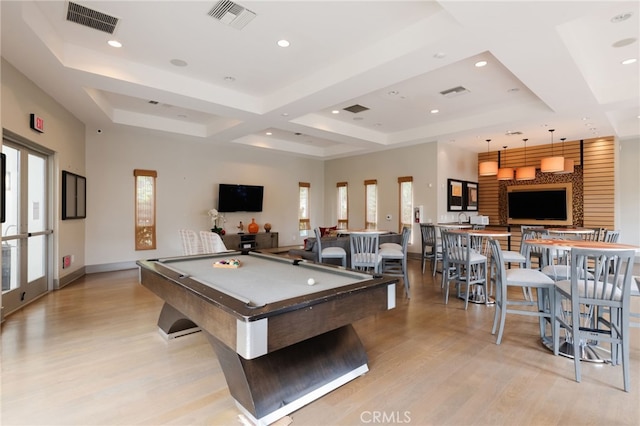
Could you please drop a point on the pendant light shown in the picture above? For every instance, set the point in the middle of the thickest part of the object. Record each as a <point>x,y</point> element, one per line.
<point>552,164</point>
<point>505,173</point>
<point>488,168</point>
<point>525,173</point>
<point>568,163</point>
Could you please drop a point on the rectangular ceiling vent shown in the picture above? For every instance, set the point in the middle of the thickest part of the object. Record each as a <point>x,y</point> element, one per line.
<point>356,108</point>
<point>91,18</point>
<point>456,91</point>
<point>232,14</point>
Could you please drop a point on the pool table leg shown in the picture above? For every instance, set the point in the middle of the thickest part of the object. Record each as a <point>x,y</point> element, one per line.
<point>173,323</point>
<point>269,387</point>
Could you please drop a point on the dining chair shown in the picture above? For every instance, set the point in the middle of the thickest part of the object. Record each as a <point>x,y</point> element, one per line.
<point>431,248</point>
<point>394,260</point>
<point>212,242</point>
<point>329,252</point>
<point>469,266</point>
<point>534,232</point>
<point>397,246</point>
<point>611,236</point>
<point>596,235</point>
<point>634,317</point>
<point>191,243</point>
<point>365,251</point>
<point>598,305</point>
<point>523,277</point>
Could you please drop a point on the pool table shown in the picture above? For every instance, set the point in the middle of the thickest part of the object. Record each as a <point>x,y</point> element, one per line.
<point>282,339</point>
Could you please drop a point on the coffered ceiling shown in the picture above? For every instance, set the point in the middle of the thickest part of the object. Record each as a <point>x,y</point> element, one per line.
<point>358,76</point>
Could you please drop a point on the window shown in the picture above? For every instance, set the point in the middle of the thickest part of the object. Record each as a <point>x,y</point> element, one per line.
<point>343,205</point>
<point>303,216</point>
<point>145,226</point>
<point>405,184</point>
<point>371,204</point>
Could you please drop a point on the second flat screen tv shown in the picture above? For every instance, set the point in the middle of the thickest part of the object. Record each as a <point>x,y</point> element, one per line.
<point>240,198</point>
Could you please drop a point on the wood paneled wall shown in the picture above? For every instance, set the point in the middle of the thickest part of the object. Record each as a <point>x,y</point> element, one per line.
<point>592,180</point>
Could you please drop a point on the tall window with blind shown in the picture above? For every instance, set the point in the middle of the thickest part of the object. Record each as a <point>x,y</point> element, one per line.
<point>145,205</point>
<point>343,205</point>
<point>371,204</point>
<point>303,213</point>
<point>405,184</point>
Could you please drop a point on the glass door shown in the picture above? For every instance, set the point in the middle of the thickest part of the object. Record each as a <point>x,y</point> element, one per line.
<point>25,231</point>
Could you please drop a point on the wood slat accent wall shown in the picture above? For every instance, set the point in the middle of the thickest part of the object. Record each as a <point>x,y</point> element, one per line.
<point>599,183</point>
<point>593,181</point>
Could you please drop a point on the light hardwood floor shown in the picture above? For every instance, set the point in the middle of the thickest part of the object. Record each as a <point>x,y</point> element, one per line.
<point>90,354</point>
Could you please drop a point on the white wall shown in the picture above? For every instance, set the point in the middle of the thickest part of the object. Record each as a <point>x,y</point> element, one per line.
<point>454,163</point>
<point>189,171</point>
<point>430,164</point>
<point>64,135</point>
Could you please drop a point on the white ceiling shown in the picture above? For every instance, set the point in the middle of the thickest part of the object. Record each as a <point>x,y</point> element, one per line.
<point>550,65</point>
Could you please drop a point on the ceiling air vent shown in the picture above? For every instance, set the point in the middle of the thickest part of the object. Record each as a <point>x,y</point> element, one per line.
<point>91,18</point>
<point>232,14</point>
<point>456,91</point>
<point>356,108</point>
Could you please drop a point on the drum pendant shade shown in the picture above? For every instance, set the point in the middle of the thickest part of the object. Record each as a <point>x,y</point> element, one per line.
<point>526,173</point>
<point>568,163</point>
<point>488,168</point>
<point>552,164</point>
<point>505,173</point>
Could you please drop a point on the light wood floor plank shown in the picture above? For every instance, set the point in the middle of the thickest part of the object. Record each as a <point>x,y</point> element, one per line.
<point>91,354</point>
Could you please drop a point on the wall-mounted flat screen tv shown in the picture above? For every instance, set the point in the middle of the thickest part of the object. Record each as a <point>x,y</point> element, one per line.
<point>240,198</point>
<point>539,204</point>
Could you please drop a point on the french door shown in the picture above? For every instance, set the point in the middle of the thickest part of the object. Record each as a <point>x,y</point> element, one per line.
<point>25,232</point>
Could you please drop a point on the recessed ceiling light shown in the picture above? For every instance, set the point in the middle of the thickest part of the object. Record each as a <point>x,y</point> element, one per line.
<point>624,42</point>
<point>285,114</point>
<point>434,111</point>
<point>230,79</point>
<point>178,62</point>
<point>439,55</point>
<point>283,43</point>
<point>480,64</point>
<point>335,111</point>
<point>393,92</point>
<point>629,61</point>
<point>621,17</point>
<point>268,133</point>
<point>114,43</point>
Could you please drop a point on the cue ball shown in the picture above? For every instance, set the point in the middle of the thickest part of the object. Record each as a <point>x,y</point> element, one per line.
<point>311,281</point>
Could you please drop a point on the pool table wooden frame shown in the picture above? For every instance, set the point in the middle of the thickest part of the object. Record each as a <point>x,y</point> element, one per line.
<point>278,357</point>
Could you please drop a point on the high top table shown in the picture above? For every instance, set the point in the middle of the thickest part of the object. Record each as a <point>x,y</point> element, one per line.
<point>588,352</point>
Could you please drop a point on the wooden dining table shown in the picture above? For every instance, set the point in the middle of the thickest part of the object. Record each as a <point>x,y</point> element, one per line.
<point>588,351</point>
<point>563,244</point>
<point>570,231</point>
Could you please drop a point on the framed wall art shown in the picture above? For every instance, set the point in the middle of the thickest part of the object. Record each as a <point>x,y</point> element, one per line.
<point>455,199</point>
<point>470,196</point>
<point>74,196</point>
